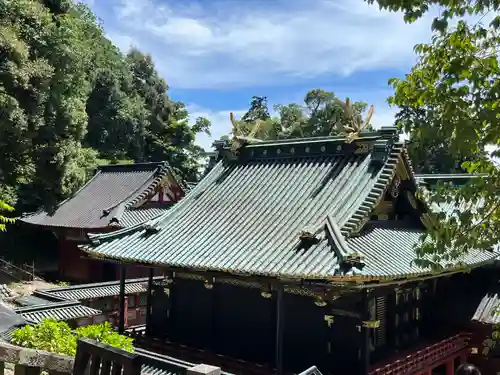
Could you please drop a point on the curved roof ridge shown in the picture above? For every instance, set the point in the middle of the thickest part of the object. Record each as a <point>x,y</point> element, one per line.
<point>131,166</point>
<point>96,238</point>
<point>361,215</point>
<point>112,188</point>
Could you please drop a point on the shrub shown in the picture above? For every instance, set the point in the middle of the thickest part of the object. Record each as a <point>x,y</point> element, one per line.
<point>104,333</point>
<point>54,336</point>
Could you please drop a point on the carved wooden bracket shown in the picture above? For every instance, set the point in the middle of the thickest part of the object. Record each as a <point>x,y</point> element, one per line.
<point>396,184</point>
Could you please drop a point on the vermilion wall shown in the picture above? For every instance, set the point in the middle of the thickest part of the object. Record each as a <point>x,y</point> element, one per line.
<point>72,267</point>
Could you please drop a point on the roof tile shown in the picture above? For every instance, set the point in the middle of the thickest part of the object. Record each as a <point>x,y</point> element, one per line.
<point>109,194</point>
<point>250,213</point>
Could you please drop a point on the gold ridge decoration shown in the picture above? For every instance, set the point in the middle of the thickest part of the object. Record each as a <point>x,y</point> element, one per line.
<point>300,291</point>
<point>239,136</point>
<point>266,294</point>
<point>362,148</point>
<point>245,284</point>
<point>371,323</point>
<point>354,123</point>
<point>189,276</point>
<point>236,131</point>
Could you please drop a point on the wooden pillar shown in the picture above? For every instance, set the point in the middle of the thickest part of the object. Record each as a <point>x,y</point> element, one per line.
<point>450,367</point>
<point>149,299</point>
<point>463,358</point>
<point>121,323</point>
<point>364,337</point>
<point>279,329</point>
<point>214,329</point>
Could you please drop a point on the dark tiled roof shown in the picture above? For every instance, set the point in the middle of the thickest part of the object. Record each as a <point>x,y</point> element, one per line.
<point>6,335</point>
<point>98,290</point>
<point>60,311</point>
<point>9,321</point>
<point>5,292</point>
<point>106,197</point>
<point>32,300</point>
<point>247,214</point>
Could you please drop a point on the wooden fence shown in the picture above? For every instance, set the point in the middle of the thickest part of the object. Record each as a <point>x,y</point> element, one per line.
<point>93,358</point>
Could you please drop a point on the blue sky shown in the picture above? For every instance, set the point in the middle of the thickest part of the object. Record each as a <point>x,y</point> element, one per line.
<point>215,55</point>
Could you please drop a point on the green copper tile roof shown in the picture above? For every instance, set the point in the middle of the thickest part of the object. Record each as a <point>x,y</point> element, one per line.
<point>283,209</point>
<point>61,311</point>
<point>247,215</point>
<point>98,290</point>
<point>388,249</point>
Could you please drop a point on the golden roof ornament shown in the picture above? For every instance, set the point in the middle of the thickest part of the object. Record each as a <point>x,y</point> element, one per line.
<point>354,121</point>
<point>239,137</point>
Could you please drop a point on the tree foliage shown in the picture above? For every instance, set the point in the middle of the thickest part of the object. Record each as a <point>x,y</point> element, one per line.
<point>4,219</point>
<point>57,337</point>
<point>67,95</point>
<point>452,97</point>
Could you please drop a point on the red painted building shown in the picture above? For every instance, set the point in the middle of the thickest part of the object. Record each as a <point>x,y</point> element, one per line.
<point>105,298</point>
<point>116,197</point>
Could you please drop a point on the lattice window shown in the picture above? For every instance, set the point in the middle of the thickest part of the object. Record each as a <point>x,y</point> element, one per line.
<point>381,315</point>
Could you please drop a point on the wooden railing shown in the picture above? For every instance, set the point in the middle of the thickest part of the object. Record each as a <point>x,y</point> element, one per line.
<point>15,272</point>
<point>427,356</point>
<point>31,362</point>
<point>235,366</point>
<point>93,358</point>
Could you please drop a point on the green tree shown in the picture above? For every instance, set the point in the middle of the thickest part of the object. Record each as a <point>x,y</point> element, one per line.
<point>4,219</point>
<point>166,134</point>
<point>429,153</point>
<point>43,95</point>
<point>453,91</point>
<point>67,95</point>
<point>258,110</point>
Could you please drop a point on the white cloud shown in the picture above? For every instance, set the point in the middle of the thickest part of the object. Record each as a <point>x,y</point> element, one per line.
<point>383,116</point>
<point>221,125</point>
<point>122,41</point>
<point>257,43</point>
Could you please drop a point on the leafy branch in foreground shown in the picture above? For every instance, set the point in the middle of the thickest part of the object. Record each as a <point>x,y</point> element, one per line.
<point>453,92</point>
<point>3,219</point>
